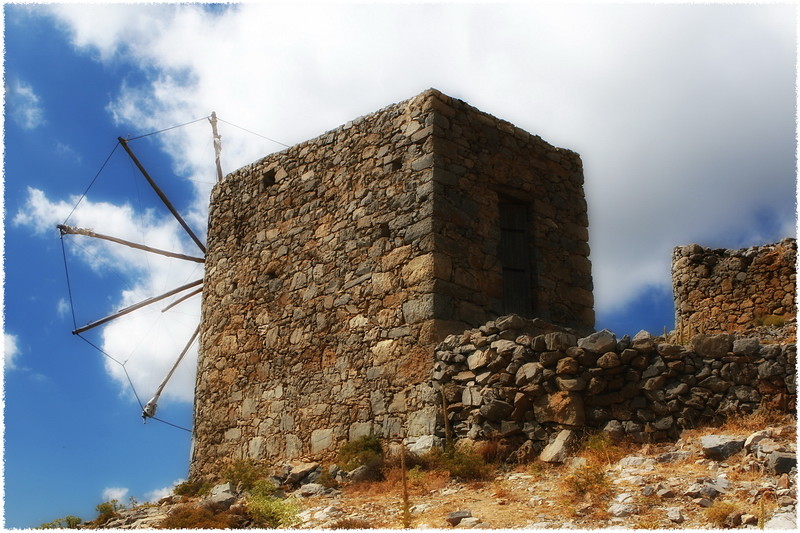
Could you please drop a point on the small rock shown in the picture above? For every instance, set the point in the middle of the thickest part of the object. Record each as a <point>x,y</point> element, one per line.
<point>783,482</point>
<point>299,471</point>
<point>456,517</point>
<point>748,519</point>
<point>674,515</point>
<point>720,447</point>
<point>672,457</point>
<point>468,522</point>
<point>620,510</point>
<point>703,502</point>
<point>311,489</point>
<point>781,462</point>
<point>664,492</point>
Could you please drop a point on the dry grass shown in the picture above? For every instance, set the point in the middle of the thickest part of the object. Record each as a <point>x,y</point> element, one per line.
<point>600,449</point>
<point>352,523</point>
<point>759,419</point>
<point>719,513</point>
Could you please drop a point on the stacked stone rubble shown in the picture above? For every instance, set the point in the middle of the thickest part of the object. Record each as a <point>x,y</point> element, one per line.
<point>722,291</point>
<point>514,379</point>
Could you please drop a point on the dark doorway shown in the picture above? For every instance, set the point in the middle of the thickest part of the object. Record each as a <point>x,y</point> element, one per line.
<point>514,255</point>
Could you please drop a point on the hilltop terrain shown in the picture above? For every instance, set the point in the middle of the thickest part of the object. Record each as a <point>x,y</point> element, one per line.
<point>739,475</point>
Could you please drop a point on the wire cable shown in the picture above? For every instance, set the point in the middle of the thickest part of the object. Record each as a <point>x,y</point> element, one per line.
<point>254,133</point>
<point>92,182</point>
<point>167,129</point>
<point>130,381</point>
<point>69,285</point>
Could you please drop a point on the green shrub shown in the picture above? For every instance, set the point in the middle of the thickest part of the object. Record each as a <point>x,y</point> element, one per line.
<point>462,463</point>
<point>271,512</point>
<point>771,320</point>
<point>68,522</point>
<point>107,511</point>
<point>245,473</point>
<point>192,488</point>
<point>364,451</point>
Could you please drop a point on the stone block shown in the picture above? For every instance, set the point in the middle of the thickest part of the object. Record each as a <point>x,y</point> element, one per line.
<point>599,342</point>
<point>561,407</point>
<point>321,439</point>
<point>713,346</point>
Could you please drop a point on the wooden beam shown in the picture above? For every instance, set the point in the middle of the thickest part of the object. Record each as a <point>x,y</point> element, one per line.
<point>134,307</point>
<point>217,144</point>
<point>181,299</point>
<point>149,410</point>
<point>89,233</point>
<point>161,195</point>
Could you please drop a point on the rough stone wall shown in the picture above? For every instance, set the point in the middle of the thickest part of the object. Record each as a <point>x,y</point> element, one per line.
<point>335,266</point>
<point>519,381</point>
<point>722,291</point>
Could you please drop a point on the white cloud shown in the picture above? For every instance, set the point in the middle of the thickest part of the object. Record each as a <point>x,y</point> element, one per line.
<point>24,105</point>
<point>157,494</point>
<point>114,493</point>
<point>10,350</point>
<point>62,307</point>
<point>683,114</point>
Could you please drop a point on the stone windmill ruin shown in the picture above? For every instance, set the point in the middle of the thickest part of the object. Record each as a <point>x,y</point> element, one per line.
<point>335,266</point>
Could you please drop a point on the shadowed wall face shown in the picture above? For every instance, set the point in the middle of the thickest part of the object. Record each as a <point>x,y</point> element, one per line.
<point>335,266</point>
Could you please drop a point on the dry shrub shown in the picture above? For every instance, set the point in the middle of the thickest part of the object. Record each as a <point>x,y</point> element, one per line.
<point>719,512</point>
<point>197,517</point>
<point>761,418</point>
<point>352,523</point>
<point>599,448</point>
<point>420,482</point>
<point>588,483</point>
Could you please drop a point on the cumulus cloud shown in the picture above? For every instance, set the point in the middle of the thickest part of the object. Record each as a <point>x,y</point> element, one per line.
<point>683,114</point>
<point>157,494</point>
<point>10,350</point>
<point>114,493</point>
<point>24,105</point>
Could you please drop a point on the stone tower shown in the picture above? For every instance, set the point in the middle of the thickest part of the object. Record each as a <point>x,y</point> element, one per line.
<point>334,267</point>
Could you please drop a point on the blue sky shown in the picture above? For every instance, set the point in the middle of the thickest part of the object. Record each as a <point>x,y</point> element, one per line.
<point>684,116</point>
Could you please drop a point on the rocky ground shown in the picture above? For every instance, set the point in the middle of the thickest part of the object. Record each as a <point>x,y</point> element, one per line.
<point>727,477</point>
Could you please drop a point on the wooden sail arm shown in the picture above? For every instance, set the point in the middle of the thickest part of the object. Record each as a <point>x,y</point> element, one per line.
<point>149,410</point>
<point>134,307</point>
<point>163,196</point>
<point>181,299</point>
<point>69,230</point>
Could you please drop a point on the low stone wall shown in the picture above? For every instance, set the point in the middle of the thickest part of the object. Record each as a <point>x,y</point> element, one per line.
<point>512,379</point>
<point>722,291</point>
